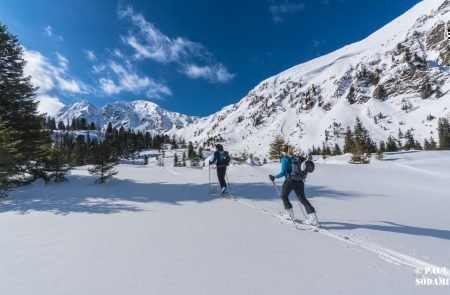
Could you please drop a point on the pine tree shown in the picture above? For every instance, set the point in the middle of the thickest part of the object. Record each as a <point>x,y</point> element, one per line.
<point>61,126</point>
<point>8,157</point>
<point>433,144</point>
<point>18,110</point>
<point>382,146</point>
<point>275,148</point>
<point>391,145</point>
<point>337,150</point>
<point>104,162</point>
<point>380,150</point>
<point>175,160</point>
<point>444,134</point>
<point>359,155</point>
<point>79,152</point>
<point>191,152</point>
<point>56,164</point>
<point>348,142</point>
<point>200,153</point>
<point>409,140</point>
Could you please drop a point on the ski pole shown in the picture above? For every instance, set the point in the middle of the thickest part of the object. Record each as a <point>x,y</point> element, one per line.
<point>301,208</point>
<point>228,183</point>
<point>276,188</point>
<point>279,195</point>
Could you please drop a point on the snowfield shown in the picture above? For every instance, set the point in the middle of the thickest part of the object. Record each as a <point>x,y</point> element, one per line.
<point>156,230</point>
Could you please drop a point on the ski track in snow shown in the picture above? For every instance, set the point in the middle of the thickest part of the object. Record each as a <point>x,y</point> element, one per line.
<point>384,253</point>
<point>171,171</point>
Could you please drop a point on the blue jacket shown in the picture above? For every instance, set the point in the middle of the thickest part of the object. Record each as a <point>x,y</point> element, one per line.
<point>286,168</point>
<point>216,159</point>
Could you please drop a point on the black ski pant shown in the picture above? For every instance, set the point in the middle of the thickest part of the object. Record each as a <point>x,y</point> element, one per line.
<point>221,171</point>
<point>299,188</point>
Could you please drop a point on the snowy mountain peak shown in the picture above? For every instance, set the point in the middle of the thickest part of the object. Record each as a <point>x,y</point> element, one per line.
<point>138,115</point>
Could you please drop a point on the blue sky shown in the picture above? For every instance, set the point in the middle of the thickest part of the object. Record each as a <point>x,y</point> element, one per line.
<point>193,57</point>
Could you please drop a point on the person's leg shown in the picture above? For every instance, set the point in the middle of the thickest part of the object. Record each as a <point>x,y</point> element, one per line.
<point>299,188</point>
<point>221,176</point>
<point>287,189</point>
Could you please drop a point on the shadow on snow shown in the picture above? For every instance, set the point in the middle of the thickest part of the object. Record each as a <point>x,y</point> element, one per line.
<point>391,227</point>
<point>81,195</point>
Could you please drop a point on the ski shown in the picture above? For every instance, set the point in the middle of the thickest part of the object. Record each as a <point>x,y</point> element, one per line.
<point>296,223</point>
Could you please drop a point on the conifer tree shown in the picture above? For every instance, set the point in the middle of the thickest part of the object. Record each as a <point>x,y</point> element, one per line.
<point>79,152</point>
<point>191,152</point>
<point>382,147</point>
<point>391,145</point>
<point>275,147</point>
<point>8,157</point>
<point>175,160</point>
<point>348,142</point>
<point>432,144</point>
<point>18,110</point>
<point>183,160</point>
<point>337,150</point>
<point>444,134</point>
<point>380,150</point>
<point>104,162</point>
<point>56,164</point>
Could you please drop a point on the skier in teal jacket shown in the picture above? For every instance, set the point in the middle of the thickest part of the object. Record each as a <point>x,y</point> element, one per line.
<point>298,186</point>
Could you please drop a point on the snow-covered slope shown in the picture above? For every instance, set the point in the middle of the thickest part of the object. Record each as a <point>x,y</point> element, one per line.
<point>156,230</point>
<point>139,115</point>
<point>372,79</point>
<point>392,80</point>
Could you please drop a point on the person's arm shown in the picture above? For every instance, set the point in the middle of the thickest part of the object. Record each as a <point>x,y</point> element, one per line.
<point>283,169</point>
<point>214,159</point>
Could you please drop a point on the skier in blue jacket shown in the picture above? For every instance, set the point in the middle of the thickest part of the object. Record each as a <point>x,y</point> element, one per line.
<point>290,185</point>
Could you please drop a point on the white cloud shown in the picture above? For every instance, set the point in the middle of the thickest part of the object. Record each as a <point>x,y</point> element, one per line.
<point>90,55</point>
<point>69,85</point>
<point>149,42</point>
<point>98,68</point>
<point>48,31</point>
<point>108,86</point>
<point>127,80</point>
<point>62,61</point>
<point>48,76</point>
<point>118,53</point>
<point>217,73</point>
<point>281,9</point>
<point>49,105</point>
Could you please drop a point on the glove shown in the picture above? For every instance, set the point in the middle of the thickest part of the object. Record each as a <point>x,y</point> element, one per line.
<point>272,178</point>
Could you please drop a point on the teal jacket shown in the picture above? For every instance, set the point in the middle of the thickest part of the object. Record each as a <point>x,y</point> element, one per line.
<point>286,168</point>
